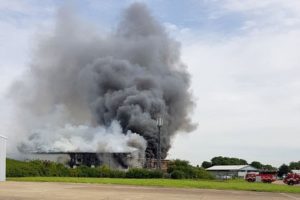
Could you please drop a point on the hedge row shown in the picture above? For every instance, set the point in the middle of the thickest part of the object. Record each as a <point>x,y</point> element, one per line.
<point>177,170</point>
<point>45,168</point>
<point>180,169</point>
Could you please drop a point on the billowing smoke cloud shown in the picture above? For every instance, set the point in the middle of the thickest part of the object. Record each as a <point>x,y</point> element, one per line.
<point>103,92</point>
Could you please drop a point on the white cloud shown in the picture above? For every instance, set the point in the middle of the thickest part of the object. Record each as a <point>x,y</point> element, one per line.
<point>248,92</point>
<point>15,6</point>
<point>278,15</point>
<point>256,5</point>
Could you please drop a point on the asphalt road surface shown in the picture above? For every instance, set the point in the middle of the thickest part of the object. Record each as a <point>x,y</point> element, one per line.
<point>65,191</point>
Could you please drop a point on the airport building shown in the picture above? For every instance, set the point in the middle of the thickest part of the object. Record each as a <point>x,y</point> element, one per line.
<point>231,171</point>
<point>2,158</point>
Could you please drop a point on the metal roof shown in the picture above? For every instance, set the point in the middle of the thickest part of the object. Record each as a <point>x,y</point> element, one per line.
<point>296,171</point>
<point>229,167</point>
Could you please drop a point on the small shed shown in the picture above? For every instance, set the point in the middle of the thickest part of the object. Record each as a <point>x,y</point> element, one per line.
<point>231,171</point>
<point>2,158</point>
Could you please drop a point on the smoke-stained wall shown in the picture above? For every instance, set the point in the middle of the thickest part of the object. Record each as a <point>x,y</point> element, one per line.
<point>86,90</point>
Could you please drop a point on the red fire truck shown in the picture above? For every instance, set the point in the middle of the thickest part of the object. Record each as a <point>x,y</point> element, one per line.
<point>292,179</point>
<point>263,176</point>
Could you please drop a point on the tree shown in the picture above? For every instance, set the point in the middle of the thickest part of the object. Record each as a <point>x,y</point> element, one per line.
<point>256,164</point>
<point>206,164</point>
<point>266,167</point>
<point>269,168</point>
<point>283,170</point>
<point>295,165</point>
<point>219,160</point>
<point>182,169</point>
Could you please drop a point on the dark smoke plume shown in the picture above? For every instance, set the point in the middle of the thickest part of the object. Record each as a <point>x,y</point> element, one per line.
<point>81,82</point>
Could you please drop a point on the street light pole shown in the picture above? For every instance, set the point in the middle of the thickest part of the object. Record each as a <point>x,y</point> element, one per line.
<point>159,125</point>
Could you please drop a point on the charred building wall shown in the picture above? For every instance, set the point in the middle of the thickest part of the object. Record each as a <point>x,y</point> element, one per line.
<point>114,160</point>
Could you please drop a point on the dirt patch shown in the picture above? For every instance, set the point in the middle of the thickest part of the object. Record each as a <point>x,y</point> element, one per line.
<point>65,191</point>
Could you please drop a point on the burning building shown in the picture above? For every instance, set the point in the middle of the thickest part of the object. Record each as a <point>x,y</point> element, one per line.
<point>116,160</point>
<point>91,92</point>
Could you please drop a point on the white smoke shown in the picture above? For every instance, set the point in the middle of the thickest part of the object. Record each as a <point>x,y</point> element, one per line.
<point>83,138</point>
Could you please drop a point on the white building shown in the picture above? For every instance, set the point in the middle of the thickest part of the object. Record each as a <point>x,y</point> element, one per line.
<point>296,171</point>
<point>2,158</point>
<point>231,171</point>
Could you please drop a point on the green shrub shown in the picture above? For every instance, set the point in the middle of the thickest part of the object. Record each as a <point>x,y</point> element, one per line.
<point>16,168</point>
<point>177,174</point>
<point>73,172</point>
<point>178,169</point>
<point>137,173</point>
<point>104,171</point>
<point>201,173</point>
<point>143,173</point>
<point>84,171</point>
<point>181,165</point>
<point>155,174</point>
<point>117,174</point>
<point>182,169</point>
<point>46,168</point>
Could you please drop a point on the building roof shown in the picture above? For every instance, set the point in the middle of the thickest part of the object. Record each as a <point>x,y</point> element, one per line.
<point>231,168</point>
<point>296,171</point>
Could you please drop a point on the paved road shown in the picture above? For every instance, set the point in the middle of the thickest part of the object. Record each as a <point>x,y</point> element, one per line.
<point>68,191</point>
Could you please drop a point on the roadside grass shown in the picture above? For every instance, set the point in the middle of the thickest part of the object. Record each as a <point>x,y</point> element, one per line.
<point>183,183</point>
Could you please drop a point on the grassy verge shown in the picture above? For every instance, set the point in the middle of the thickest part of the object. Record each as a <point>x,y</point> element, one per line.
<point>204,184</point>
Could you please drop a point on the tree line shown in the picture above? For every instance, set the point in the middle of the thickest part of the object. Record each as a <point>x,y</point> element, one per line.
<point>220,160</point>
<point>282,170</point>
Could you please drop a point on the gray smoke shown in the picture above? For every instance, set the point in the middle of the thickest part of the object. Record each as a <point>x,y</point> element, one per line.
<point>87,80</point>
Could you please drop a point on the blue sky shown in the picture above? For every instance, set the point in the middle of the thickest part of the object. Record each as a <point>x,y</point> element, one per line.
<point>198,15</point>
<point>242,54</point>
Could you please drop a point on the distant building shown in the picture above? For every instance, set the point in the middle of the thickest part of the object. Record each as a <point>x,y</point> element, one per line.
<point>2,157</point>
<point>231,171</point>
<point>296,171</point>
<point>114,160</point>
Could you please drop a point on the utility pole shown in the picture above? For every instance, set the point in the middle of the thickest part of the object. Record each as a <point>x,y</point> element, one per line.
<point>159,125</point>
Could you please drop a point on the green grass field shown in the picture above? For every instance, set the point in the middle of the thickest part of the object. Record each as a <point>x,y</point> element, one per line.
<point>204,184</point>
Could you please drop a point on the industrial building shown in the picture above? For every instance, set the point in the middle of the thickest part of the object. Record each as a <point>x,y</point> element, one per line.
<point>2,158</point>
<point>231,171</point>
<point>114,160</point>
